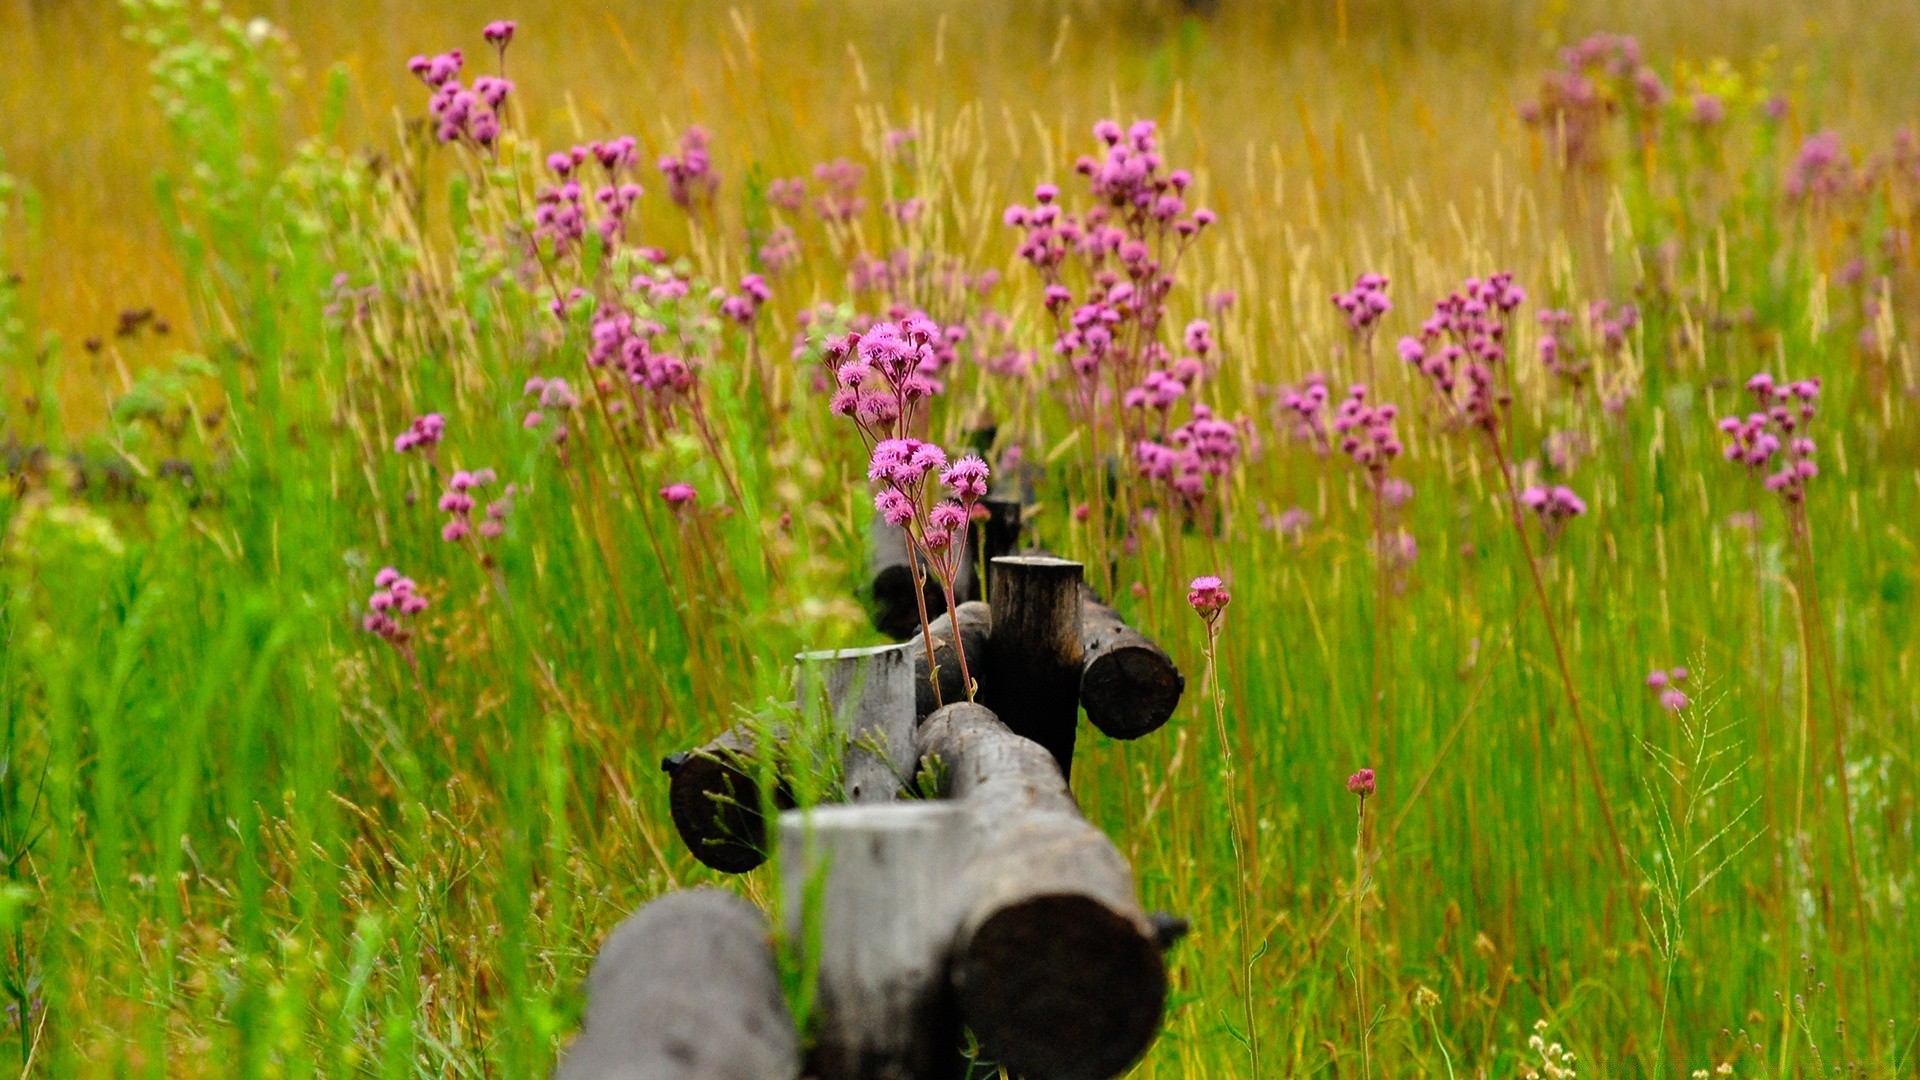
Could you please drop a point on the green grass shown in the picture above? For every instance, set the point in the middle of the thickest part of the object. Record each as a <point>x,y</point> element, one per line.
<point>244,837</point>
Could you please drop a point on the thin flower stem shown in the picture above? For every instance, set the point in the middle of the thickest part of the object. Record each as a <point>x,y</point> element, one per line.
<point>1239,851</point>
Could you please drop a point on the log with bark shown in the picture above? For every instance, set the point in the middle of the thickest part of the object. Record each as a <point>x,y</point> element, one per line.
<point>1055,967</point>
<point>1034,653</point>
<point>714,796</point>
<point>1128,684</point>
<point>686,989</point>
<point>868,890</point>
<point>867,695</point>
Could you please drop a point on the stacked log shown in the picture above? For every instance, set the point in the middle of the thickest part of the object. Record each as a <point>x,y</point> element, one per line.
<point>996,906</point>
<point>686,989</point>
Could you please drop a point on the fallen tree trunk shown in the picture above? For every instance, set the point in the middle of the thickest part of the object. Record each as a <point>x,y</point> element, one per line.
<point>686,987</point>
<point>1056,969</point>
<point>1128,684</point>
<point>714,798</point>
<point>1035,653</point>
<point>868,890</point>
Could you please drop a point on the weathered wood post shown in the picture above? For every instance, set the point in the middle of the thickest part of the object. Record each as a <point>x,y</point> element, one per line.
<point>883,924</point>
<point>1129,685</point>
<point>714,797</point>
<point>1035,652</point>
<point>868,697</point>
<point>1057,970</point>
<point>686,989</point>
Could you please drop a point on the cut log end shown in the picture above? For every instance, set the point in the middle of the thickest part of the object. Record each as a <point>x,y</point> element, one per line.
<point>1062,986</point>
<point>1131,690</point>
<point>715,803</point>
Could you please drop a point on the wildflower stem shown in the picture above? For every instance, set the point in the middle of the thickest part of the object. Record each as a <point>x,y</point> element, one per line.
<point>1239,851</point>
<point>1813,624</point>
<point>1566,676</point>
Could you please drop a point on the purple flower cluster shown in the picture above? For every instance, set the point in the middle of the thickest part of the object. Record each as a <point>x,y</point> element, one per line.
<point>1363,305</point>
<point>788,193</point>
<point>1596,78</point>
<point>884,375</point>
<point>395,601</point>
<point>1463,345</point>
<point>1555,506</point>
<point>621,344</point>
<point>1772,441</point>
<point>423,434</point>
<point>1193,453</point>
<point>461,113</point>
<point>691,181</point>
<point>1667,685</point>
<point>780,251</point>
<point>1209,597</point>
<point>561,210</point>
<point>1361,783</point>
<point>458,504</point>
<point>679,496</point>
<point>1301,412</point>
<point>1822,171</point>
<point>1563,353</point>
<point>744,306</point>
<point>1367,433</point>
<point>837,199</point>
<point>550,395</point>
<point>1129,245</point>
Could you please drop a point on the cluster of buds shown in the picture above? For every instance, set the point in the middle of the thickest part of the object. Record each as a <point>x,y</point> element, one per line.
<point>679,496</point>
<point>1366,432</point>
<point>1555,506</point>
<point>458,504</point>
<point>423,434</point>
<point>1363,305</point>
<point>881,386</point>
<point>1562,352</point>
<point>1128,244</point>
<point>691,181</point>
<point>1209,598</point>
<point>561,210</point>
<point>395,601</point>
<point>1463,345</point>
<point>1301,412</point>
<point>1596,78</point>
<point>1362,783</point>
<point>1822,171</point>
<point>550,395</point>
<point>1192,454</point>
<point>837,196</point>
<point>903,468</point>
<point>788,193</point>
<point>461,113</point>
<point>744,306</point>
<point>624,346</point>
<point>780,251</point>
<point>1772,441</point>
<point>1666,684</point>
<point>884,375</point>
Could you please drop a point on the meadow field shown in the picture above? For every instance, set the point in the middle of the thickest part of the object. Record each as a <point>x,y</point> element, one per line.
<point>405,452</point>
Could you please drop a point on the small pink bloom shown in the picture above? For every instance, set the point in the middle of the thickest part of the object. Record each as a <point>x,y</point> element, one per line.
<point>1361,783</point>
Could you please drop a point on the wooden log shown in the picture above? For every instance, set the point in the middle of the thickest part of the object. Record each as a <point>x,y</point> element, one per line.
<point>881,915</point>
<point>686,987</point>
<point>1056,969</point>
<point>976,625</point>
<point>1035,653</point>
<point>890,574</point>
<point>1128,684</point>
<point>867,695</point>
<point>714,798</point>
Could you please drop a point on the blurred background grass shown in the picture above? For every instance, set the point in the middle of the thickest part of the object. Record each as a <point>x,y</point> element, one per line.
<point>1423,89</point>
